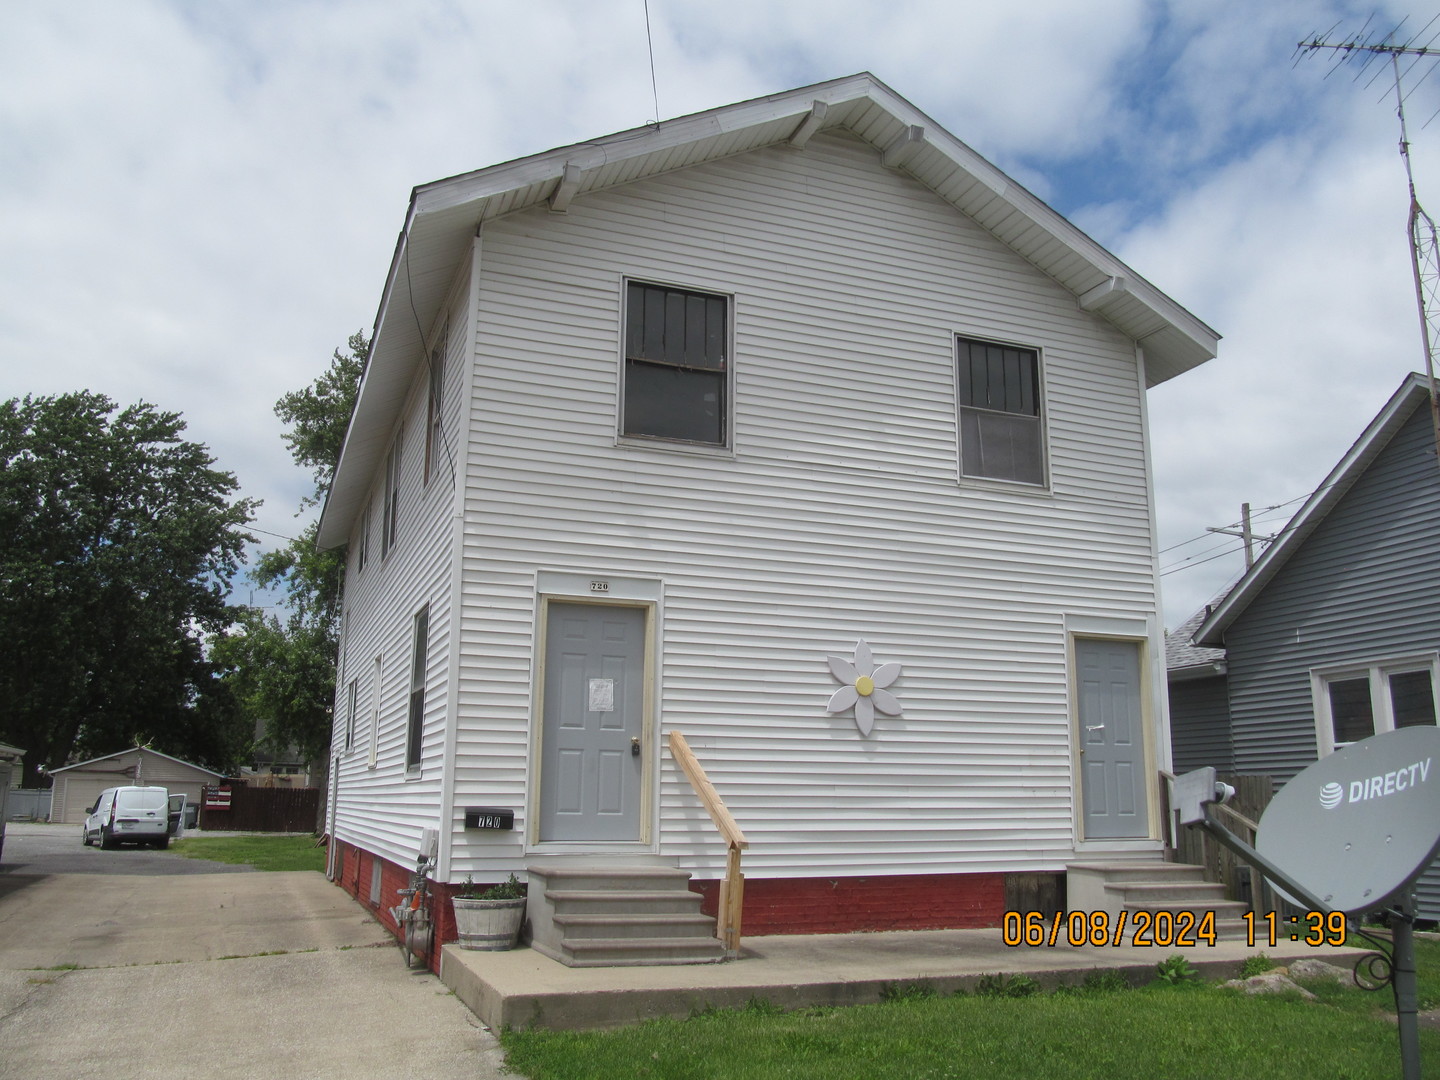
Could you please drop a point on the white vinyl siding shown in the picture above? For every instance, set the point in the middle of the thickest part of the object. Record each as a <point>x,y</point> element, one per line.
<point>381,804</point>
<point>838,516</point>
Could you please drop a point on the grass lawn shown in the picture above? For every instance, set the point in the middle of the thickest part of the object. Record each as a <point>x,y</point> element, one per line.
<point>1156,1032</point>
<point>261,852</point>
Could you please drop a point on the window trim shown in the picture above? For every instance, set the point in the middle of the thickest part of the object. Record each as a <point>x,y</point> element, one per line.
<point>352,699</point>
<point>362,555</point>
<point>390,507</point>
<point>727,423</point>
<point>1378,673</point>
<point>435,402</point>
<point>376,685</point>
<point>415,700</point>
<point>1042,418</point>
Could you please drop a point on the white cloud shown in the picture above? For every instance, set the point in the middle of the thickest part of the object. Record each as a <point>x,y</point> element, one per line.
<point>202,199</point>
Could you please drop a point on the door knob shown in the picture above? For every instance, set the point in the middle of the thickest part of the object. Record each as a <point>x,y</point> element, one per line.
<point>635,747</point>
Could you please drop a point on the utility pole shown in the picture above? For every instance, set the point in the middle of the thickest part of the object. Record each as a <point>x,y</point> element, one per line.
<point>1424,244</point>
<point>1245,533</point>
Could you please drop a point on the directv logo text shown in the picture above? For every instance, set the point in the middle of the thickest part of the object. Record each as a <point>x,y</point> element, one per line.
<point>1375,787</point>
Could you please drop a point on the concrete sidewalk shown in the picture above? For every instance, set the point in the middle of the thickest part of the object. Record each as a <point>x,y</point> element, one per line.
<point>267,974</point>
<point>522,988</point>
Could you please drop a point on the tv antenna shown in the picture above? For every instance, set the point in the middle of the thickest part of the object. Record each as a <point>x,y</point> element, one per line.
<point>1363,49</point>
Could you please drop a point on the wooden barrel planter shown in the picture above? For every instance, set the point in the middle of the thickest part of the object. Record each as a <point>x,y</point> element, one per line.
<point>489,924</point>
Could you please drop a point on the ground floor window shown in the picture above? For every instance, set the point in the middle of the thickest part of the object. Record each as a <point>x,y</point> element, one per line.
<point>1355,701</point>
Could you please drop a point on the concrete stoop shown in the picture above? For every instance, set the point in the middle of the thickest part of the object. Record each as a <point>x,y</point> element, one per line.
<point>1155,888</point>
<point>585,915</point>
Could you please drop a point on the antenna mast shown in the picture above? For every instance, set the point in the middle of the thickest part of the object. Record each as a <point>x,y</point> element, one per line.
<point>1424,243</point>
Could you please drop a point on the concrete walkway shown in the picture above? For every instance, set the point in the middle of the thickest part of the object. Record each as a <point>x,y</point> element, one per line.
<point>264,974</point>
<point>522,988</point>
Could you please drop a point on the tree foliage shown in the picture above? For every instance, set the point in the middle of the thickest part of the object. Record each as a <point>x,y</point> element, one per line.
<point>282,670</point>
<point>118,541</point>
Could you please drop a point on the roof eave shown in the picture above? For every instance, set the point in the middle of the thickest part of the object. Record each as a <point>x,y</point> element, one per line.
<point>444,215</point>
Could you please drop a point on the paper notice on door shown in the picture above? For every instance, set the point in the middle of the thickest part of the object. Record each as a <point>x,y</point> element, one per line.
<point>602,695</point>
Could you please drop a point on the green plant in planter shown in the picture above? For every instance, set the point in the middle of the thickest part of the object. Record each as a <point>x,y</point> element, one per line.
<point>512,889</point>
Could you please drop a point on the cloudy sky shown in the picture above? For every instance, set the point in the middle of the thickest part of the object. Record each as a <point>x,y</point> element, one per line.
<point>200,199</point>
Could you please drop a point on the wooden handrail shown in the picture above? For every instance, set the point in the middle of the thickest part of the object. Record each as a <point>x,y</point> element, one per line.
<point>732,887</point>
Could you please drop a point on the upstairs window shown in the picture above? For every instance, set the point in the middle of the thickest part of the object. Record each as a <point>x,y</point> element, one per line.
<point>352,696</point>
<point>1000,432</point>
<point>415,723</point>
<point>1356,702</point>
<point>363,555</point>
<point>676,374</point>
<point>434,434</point>
<point>390,516</point>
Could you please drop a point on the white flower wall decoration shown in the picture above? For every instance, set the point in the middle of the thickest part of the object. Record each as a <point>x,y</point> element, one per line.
<point>863,685</point>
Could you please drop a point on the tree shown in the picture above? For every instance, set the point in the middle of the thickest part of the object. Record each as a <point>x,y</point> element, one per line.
<point>283,671</point>
<point>118,541</point>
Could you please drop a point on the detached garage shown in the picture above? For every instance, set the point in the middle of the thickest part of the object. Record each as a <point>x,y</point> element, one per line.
<point>78,786</point>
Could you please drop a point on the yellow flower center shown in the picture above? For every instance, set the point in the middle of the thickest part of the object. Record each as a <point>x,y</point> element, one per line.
<point>864,686</point>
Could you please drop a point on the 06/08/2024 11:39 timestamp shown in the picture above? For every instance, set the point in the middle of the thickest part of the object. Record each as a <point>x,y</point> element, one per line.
<point>1168,928</point>
<point>1315,928</point>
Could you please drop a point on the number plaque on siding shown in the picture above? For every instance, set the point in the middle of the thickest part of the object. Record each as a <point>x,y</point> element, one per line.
<point>599,586</point>
<point>489,817</point>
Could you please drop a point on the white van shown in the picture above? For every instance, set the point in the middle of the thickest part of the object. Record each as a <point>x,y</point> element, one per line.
<point>129,815</point>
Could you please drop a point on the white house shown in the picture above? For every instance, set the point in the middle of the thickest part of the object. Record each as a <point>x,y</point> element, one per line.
<point>657,424</point>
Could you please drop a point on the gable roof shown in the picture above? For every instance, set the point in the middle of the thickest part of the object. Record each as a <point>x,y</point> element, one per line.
<point>1413,392</point>
<point>132,750</point>
<point>443,217</point>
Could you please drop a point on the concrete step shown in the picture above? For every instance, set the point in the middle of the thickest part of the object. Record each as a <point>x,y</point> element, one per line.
<point>1152,870</point>
<point>617,901</point>
<point>606,915</point>
<point>589,927</point>
<point>629,878</point>
<point>636,952</point>
<point>1168,892</point>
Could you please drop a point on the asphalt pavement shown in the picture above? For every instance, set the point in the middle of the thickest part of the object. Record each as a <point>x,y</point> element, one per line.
<point>134,967</point>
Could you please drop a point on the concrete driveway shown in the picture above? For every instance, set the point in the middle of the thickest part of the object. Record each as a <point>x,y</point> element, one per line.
<point>264,973</point>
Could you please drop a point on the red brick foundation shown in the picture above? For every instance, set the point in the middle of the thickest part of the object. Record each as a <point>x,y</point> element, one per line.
<point>852,905</point>
<point>354,867</point>
<point>772,905</point>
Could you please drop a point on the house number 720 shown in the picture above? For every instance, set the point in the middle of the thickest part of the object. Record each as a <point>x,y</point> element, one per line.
<point>599,586</point>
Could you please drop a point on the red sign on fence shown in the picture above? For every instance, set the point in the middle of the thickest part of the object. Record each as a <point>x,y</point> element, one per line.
<point>217,798</point>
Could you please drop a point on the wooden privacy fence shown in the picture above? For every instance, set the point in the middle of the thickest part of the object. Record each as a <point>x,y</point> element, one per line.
<point>259,809</point>
<point>1239,815</point>
<point>732,888</point>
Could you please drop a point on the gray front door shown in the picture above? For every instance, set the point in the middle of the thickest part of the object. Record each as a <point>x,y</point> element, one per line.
<point>1113,777</point>
<point>592,754</point>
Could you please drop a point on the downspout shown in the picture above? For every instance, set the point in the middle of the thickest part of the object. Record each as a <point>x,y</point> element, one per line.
<point>448,812</point>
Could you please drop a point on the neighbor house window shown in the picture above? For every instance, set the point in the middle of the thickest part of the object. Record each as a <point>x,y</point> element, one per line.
<point>1000,429</point>
<point>676,372</point>
<point>415,726</point>
<point>1357,701</point>
<point>434,436</point>
<point>390,513</point>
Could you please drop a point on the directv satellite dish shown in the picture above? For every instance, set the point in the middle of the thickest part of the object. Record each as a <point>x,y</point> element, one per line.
<point>1358,827</point>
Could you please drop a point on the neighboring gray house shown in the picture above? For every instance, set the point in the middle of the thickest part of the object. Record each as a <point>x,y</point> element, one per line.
<point>665,432</point>
<point>1199,699</point>
<point>1334,634</point>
